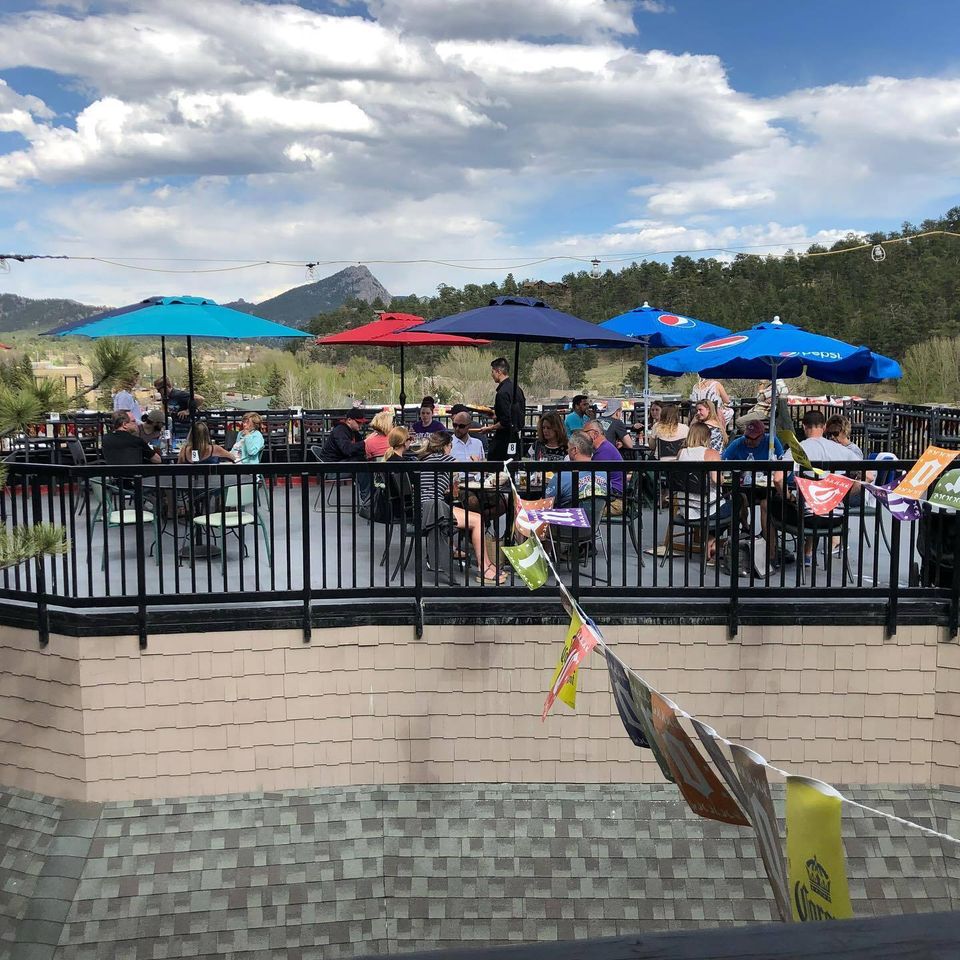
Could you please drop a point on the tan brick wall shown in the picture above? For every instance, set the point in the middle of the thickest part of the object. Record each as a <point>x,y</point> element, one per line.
<point>210,713</point>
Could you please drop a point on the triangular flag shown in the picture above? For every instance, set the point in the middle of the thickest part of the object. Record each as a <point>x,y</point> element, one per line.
<point>933,461</point>
<point>825,494</point>
<point>789,439</point>
<point>904,509</point>
<point>529,561</point>
<point>568,692</point>
<point>584,640</point>
<point>642,695</point>
<point>623,698</point>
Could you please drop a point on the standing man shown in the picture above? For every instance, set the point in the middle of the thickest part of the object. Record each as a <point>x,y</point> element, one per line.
<point>577,416</point>
<point>614,429</point>
<point>179,407</point>
<point>509,407</point>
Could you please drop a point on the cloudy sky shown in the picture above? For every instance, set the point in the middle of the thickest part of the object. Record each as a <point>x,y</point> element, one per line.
<point>492,131</point>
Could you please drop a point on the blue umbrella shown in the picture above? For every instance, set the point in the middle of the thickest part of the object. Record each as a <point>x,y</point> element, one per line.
<point>660,328</point>
<point>176,317</point>
<point>779,350</point>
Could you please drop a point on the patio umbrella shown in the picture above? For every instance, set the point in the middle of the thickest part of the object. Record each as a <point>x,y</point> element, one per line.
<point>526,320</point>
<point>394,330</point>
<point>660,328</point>
<point>176,317</point>
<point>779,350</point>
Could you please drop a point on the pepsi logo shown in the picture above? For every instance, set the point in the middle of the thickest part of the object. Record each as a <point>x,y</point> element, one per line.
<point>722,343</point>
<point>672,320</point>
<point>788,353</point>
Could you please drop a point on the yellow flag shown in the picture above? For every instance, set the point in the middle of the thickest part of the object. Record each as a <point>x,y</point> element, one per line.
<point>568,692</point>
<point>816,863</point>
<point>789,439</point>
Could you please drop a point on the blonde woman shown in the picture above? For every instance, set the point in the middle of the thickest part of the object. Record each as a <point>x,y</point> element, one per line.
<point>706,388</point>
<point>376,443</point>
<point>705,412</point>
<point>248,447</point>
<point>668,432</point>
<point>398,445</point>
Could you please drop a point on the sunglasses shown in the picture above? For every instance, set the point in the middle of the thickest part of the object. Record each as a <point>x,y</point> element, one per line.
<point>832,435</point>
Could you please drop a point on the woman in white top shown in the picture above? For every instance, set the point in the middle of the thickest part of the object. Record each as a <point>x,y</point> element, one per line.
<point>706,503</point>
<point>706,388</point>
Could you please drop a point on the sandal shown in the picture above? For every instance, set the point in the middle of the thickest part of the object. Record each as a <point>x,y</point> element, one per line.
<point>498,576</point>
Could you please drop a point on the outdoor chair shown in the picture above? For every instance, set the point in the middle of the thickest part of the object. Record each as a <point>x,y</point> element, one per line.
<point>234,518</point>
<point>790,520</point>
<point>113,504</point>
<point>687,490</point>
<point>878,423</point>
<point>392,505</point>
<point>570,542</point>
<point>331,482</point>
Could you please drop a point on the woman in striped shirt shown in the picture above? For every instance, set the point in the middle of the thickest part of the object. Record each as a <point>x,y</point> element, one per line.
<point>435,490</point>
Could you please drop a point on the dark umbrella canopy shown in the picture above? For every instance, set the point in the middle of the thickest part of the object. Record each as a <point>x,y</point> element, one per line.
<point>526,320</point>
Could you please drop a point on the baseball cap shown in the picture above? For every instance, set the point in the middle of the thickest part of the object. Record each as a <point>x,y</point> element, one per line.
<point>353,415</point>
<point>612,407</point>
<point>753,427</point>
<point>154,416</point>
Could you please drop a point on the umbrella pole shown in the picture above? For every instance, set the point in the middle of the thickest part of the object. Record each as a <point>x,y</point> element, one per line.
<point>513,402</point>
<point>403,395</point>
<point>163,368</point>
<point>193,404</point>
<point>646,389</point>
<point>773,409</point>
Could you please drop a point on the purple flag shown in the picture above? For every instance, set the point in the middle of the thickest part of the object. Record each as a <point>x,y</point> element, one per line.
<point>905,509</point>
<point>566,517</point>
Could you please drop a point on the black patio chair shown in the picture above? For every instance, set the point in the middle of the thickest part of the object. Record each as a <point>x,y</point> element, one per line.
<point>690,492</point>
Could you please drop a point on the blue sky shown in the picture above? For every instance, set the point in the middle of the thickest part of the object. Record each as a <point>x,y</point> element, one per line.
<point>164,133</point>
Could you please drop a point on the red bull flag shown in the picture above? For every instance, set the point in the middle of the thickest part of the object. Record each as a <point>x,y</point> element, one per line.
<point>824,495</point>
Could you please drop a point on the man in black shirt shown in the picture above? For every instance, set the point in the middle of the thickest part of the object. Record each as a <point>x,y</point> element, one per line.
<point>124,445</point>
<point>509,407</point>
<point>179,407</point>
<point>344,443</point>
<point>614,429</point>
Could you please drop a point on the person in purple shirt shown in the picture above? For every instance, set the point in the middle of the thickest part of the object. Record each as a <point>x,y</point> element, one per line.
<point>426,423</point>
<point>603,449</point>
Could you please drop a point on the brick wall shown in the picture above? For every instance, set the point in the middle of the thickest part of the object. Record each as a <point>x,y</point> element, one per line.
<point>215,713</point>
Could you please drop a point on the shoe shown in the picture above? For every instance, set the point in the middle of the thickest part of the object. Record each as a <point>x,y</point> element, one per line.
<point>786,557</point>
<point>501,577</point>
<point>808,561</point>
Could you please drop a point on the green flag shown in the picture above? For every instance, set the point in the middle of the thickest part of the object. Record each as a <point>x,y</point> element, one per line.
<point>529,562</point>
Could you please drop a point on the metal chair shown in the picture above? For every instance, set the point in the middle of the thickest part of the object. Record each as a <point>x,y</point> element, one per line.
<point>233,518</point>
<point>112,503</point>
<point>687,491</point>
<point>330,482</point>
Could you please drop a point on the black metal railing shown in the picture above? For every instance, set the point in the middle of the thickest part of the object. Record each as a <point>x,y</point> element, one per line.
<point>295,535</point>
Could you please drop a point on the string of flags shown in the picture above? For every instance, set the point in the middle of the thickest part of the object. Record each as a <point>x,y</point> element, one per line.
<point>810,883</point>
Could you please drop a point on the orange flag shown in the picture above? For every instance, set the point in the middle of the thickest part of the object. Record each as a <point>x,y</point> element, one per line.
<point>933,461</point>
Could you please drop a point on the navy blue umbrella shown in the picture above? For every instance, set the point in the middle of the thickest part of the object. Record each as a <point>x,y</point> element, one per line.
<point>779,350</point>
<point>526,320</point>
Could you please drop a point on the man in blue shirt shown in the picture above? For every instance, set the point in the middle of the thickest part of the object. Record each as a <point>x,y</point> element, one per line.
<point>577,416</point>
<point>560,485</point>
<point>753,444</point>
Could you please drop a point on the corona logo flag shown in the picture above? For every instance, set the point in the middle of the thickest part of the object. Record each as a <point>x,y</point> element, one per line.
<point>815,858</point>
<point>933,461</point>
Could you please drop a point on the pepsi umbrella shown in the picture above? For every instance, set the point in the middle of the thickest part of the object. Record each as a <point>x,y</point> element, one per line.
<point>176,317</point>
<point>526,320</point>
<point>396,330</point>
<point>779,349</point>
<point>660,328</point>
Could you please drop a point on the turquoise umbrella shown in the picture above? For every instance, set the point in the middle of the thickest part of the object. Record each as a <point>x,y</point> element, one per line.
<point>177,317</point>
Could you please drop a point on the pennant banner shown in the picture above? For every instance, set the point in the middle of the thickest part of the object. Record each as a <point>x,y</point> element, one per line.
<point>824,495</point>
<point>584,640</point>
<point>560,517</point>
<point>753,777</point>
<point>623,698</point>
<point>789,439</point>
<point>644,712</point>
<point>706,795</point>
<point>905,509</point>
<point>568,690</point>
<point>815,857</point>
<point>710,739</point>
<point>947,491</point>
<point>933,461</point>
<point>523,526</point>
<point>529,561</point>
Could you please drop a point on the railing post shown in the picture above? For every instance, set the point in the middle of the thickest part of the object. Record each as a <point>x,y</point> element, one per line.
<point>141,562</point>
<point>733,611</point>
<point>894,587</point>
<point>417,556</point>
<point>954,619</point>
<point>305,538</point>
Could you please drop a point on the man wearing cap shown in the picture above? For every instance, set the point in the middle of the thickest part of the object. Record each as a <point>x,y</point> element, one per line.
<point>614,429</point>
<point>344,444</point>
<point>151,426</point>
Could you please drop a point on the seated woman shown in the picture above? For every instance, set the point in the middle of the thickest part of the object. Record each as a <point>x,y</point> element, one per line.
<point>435,489</point>
<point>705,411</point>
<point>551,442</point>
<point>375,442</point>
<point>705,502</point>
<point>199,448</point>
<point>398,445</point>
<point>668,432</point>
<point>248,447</point>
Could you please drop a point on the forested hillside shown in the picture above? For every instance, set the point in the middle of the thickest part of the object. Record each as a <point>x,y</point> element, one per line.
<point>910,296</point>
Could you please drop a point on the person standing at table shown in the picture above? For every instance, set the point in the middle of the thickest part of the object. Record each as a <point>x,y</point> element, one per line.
<point>124,445</point>
<point>124,398</point>
<point>706,388</point>
<point>509,407</point>
<point>179,406</point>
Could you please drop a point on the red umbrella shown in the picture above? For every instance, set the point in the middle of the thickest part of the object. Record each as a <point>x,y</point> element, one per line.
<point>393,330</point>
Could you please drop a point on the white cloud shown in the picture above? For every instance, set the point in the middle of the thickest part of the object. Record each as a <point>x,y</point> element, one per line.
<point>493,19</point>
